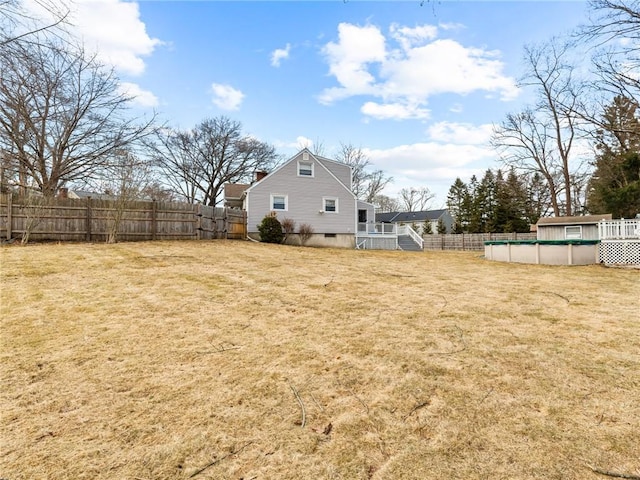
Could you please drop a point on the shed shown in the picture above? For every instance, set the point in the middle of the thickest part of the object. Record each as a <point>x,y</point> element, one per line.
<point>583,227</point>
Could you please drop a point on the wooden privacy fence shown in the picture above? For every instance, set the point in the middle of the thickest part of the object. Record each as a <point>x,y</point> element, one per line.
<point>469,241</point>
<point>94,220</point>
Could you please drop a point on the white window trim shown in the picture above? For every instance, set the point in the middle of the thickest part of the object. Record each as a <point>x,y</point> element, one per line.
<point>324,204</point>
<point>300,162</point>
<point>286,202</point>
<point>573,236</point>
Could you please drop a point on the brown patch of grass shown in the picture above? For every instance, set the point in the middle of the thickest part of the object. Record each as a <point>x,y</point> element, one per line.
<point>156,360</point>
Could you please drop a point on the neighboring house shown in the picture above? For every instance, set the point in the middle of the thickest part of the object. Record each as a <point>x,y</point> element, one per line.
<point>234,194</point>
<point>570,228</point>
<point>82,195</point>
<point>308,189</point>
<point>417,219</point>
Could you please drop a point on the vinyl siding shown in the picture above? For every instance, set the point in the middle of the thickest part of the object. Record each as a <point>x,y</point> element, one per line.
<point>556,232</point>
<point>305,197</point>
<point>371,210</point>
<point>341,171</point>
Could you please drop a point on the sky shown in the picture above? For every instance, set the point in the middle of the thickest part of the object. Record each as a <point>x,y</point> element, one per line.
<point>416,85</point>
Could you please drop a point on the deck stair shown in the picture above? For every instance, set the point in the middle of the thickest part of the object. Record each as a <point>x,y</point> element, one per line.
<point>405,242</point>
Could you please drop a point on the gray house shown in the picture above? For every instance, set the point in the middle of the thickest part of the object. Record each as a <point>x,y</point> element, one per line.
<point>570,228</point>
<point>309,189</point>
<point>418,219</point>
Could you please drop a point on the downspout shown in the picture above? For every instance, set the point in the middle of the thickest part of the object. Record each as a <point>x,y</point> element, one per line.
<point>247,210</point>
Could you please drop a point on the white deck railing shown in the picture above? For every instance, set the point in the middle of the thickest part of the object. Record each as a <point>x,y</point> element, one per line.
<point>619,229</point>
<point>379,234</point>
<point>377,229</point>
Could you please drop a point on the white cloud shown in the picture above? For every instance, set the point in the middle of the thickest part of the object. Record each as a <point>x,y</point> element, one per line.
<point>364,62</point>
<point>141,97</point>
<point>280,54</point>
<point>460,133</point>
<point>349,58</point>
<point>226,97</point>
<point>394,111</point>
<point>430,164</point>
<point>112,28</point>
<point>445,66</point>
<point>303,142</point>
<point>428,155</point>
<point>409,37</point>
<point>451,26</point>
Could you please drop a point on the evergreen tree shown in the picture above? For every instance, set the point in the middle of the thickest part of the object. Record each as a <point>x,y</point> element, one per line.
<point>501,207</point>
<point>474,206</point>
<point>615,185</point>
<point>442,228</point>
<point>458,204</point>
<point>537,198</point>
<point>514,195</point>
<point>271,230</point>
<point>486,202</point>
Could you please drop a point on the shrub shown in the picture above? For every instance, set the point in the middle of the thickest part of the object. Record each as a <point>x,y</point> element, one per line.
<point>270,230</point>
<point>289,226</point>
<point>305,231</point>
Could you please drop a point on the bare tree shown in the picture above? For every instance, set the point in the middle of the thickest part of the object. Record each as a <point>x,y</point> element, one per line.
<point>384,203</point>
<point>317,147</point>
<point>16,23</point>
<point>541,139</point>
<point>197,163</point>
<point>615,30</point>
<point>416,199</point>
<point>364,183</point>
<point>126,177</point>
<point>61,114</point>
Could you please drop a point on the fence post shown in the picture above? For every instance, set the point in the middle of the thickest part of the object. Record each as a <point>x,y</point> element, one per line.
<point>88,220</point>
<point>463,241</point>
<point>245,230</point>
<point>225,230</point>
<point>154,219</point>
<point>198,213</point>
<point>9,215</point>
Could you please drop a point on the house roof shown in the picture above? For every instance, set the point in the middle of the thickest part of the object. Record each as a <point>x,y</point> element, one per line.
<point>394,217</point>
<point>81,195</point>
<point>321,161</point>
<point>576,220</point>
<point>234,190</point>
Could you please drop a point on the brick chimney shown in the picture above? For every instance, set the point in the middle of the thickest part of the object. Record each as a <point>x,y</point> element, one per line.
<point>63,192</point>
<point>260,174</point>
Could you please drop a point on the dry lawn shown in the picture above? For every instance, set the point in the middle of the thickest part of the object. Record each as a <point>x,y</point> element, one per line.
<point>234,360</point>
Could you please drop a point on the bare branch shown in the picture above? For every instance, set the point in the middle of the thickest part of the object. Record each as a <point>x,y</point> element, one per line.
<point>197,163</point>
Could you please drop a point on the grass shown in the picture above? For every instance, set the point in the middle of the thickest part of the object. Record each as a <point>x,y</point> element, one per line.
<point>199,360</point>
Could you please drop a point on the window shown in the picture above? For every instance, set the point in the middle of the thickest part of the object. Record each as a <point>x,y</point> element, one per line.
<point>573,232</point>
<point>330,235</point>
<point>362,216</point>
<point>330,204</point>
<point>305,169</point>
<point>279,202</point>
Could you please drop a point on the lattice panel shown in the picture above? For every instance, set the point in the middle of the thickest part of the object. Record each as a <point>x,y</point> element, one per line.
<point>621,252</point>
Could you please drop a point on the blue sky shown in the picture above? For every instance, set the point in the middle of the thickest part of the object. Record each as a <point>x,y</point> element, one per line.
<point>417,87</point>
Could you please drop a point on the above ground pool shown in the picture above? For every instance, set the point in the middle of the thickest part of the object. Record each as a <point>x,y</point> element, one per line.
<point>543,252</point>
